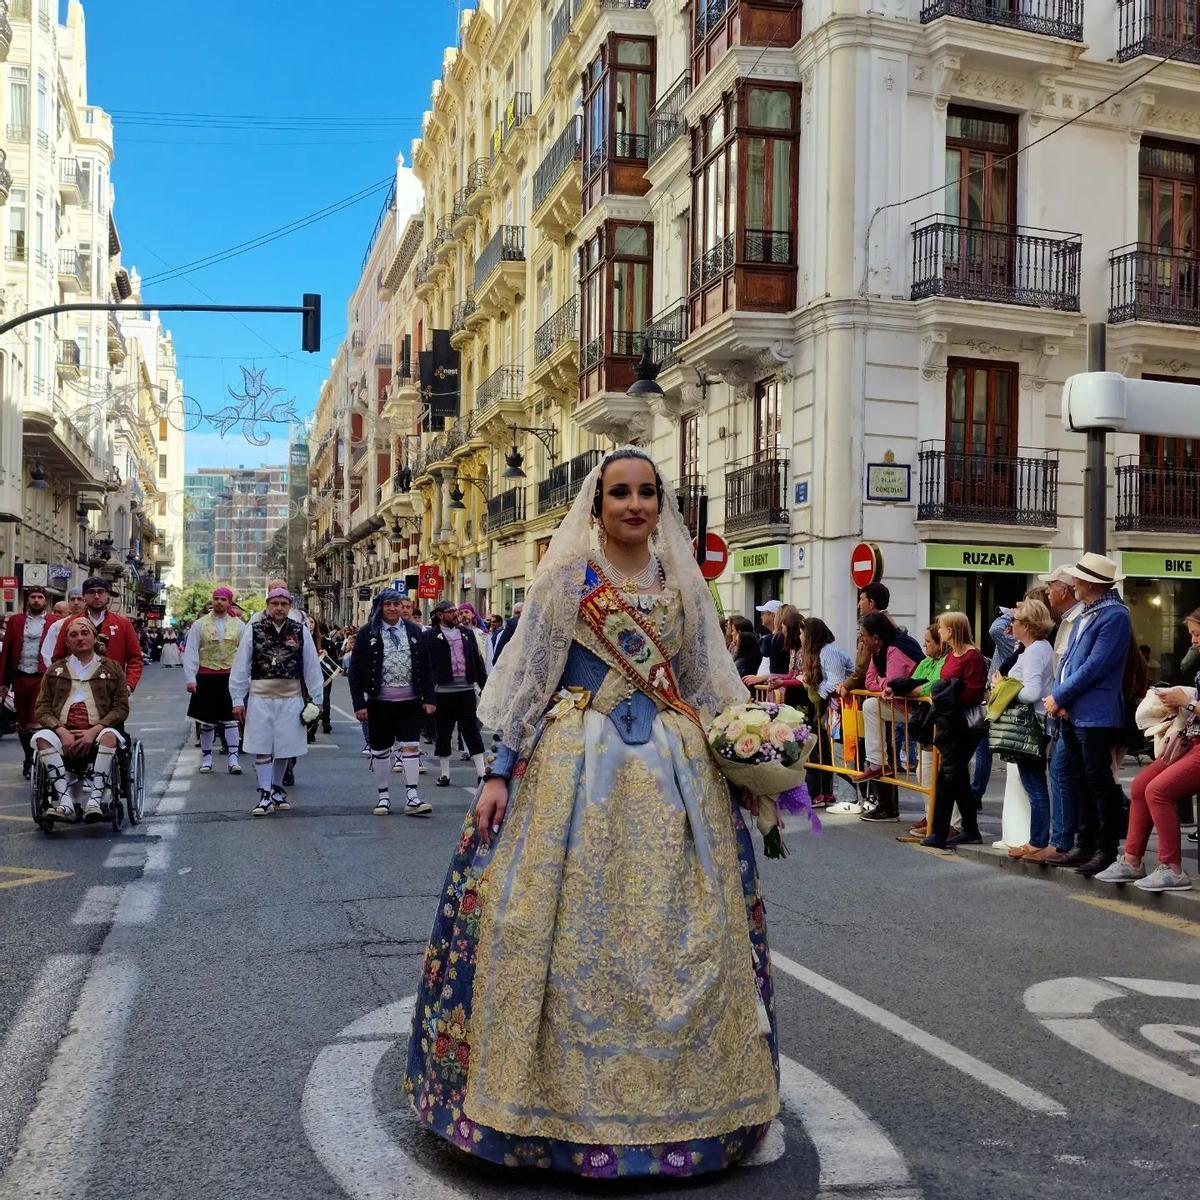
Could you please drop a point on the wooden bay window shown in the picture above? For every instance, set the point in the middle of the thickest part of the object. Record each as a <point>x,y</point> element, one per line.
<point>618,95</point>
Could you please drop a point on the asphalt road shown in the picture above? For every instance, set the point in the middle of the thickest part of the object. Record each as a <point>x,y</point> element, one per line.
<point>214,1007</point>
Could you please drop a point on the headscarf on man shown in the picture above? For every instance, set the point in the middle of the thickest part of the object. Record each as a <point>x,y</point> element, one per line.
<point>375,620</point>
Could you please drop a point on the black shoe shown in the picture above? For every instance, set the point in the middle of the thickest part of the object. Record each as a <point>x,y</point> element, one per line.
<point>326,728</point>
<point>1094,865</point>
<point>1076,857</point>
<point>289,779</point>
<point>965,839</point>
<point>935,842</point>
<point>878,813</point>
<point>27,770</point>
<point>443,781</point>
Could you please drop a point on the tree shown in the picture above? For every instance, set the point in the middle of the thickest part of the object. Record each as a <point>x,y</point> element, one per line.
<point>188,602</point>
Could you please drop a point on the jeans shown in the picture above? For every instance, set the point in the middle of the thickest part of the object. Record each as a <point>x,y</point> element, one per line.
<point>983,770</point>
<point>1063,790</point>
<point>1155,791</point>
<point>1100,802</point>
<point>1033,780</point>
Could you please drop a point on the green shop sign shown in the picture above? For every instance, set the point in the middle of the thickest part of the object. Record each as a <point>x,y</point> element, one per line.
<point>1013,560</point>
<point>1180,565</point>
<point>762,558</point>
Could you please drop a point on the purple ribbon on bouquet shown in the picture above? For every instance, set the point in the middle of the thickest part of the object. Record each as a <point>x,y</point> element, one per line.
<point>797,800</point>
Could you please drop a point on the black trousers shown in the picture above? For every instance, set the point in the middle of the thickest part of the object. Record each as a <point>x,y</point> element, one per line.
<point>457,708</point>
<point>954,784</point>
<point>1100,804</point>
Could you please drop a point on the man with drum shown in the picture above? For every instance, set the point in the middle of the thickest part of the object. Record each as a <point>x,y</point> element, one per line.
<point>275,661</point>
<point>21,664</point>
<point>208,657</point>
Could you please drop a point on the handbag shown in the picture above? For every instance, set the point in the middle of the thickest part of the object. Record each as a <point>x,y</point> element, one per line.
<point>1016,734</point>
<point>1003,694</point>
<point>1176,747</point>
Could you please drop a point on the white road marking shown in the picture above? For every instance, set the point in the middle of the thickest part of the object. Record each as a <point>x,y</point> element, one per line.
<point>33,1032</point>
<point>124,856</point>
<point>97,905</point>
<point>72,1109</point>
<point>139,903</point>
<point>1175,1039</point>
<point>1064,1007</point>
<point>1005,1085</point>
<point>170,804</point>
<point>353,1144</point>
<point>166,829</point>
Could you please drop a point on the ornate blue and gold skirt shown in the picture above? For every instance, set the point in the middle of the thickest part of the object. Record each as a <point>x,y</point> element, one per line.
<point>596,996</point>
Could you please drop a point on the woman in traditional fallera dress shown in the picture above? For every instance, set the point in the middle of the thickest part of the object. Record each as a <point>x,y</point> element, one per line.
<point>596,996</point>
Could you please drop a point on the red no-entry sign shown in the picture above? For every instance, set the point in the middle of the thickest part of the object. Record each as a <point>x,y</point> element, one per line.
<point>866,564</point>
<point>716,556</point>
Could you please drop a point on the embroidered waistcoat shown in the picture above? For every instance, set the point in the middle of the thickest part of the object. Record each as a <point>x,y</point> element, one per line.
<point>216,653</point>
<point>276,652</point>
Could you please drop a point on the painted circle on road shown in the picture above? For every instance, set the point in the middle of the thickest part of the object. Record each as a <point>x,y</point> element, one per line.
<point>1067,1007</point>
<point>352,1141</point>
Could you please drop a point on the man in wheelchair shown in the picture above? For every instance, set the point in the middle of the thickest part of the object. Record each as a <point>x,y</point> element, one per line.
<point>83,701</point>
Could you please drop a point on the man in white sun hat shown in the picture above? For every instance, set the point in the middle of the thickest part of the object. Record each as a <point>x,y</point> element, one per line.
<point>1086,700</point>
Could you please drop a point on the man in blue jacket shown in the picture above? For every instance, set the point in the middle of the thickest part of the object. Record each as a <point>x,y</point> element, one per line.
<point>1087,699</point>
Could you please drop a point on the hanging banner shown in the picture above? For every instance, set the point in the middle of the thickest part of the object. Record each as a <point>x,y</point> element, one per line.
<point>439,368</point>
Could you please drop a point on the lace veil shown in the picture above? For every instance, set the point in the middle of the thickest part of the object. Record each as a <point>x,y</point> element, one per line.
<point>519,689</point>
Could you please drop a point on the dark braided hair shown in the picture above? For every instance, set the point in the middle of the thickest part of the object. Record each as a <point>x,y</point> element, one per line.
<point>617,456</point>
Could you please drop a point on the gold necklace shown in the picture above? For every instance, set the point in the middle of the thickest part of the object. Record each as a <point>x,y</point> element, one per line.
<point>632,584</point>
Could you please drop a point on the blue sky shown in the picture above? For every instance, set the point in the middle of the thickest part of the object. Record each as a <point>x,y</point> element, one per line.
<point>185,190</point>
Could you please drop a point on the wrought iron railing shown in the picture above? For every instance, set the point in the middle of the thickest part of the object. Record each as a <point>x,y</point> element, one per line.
<point>562,484</point>
<point>561,328</point>
<point>1157,499</point>
<point>358,339</point>
<point>1010,264</point>
<point>68,172</point>
<point>68,354</point>
<point>666,118</point>
<point>667,329</point>
<point>708,14</point>
<point>756,494</point>
<point>565,151</point>
<point>404,370</point>
<point>627,343</point>
<point>70,263</point>
<point>426,267</point>
<point>507,245</point>
<point>443,231</point>
<point>712,264</point>
<point>767,246</point>
<point>505,383</point>
<point>503,510</point>
<point>634,146</point>
<point>1056,18</point>
<point>590,353</point>
<point>515,114</point>
<point>477,174</point>
<point>1146,284</point>
<point>689,492</point>
<point>1163,28</point>
<point>994,489</point>
<point>5,25</point>
<point>460,204</point>
<point>383,355</point>
<point>462,310</point>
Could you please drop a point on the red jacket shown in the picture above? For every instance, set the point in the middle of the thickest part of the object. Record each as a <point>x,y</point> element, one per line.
<point>123,645</point>
<point>14,635</point>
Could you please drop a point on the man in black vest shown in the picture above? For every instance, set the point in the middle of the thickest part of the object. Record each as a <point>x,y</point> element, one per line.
<point>457,671</point>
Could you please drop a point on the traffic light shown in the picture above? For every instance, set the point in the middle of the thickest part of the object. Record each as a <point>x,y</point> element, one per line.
<point>311,328</point>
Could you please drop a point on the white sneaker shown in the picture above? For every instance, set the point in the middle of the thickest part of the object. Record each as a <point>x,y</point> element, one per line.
<point>206,764</point>
<point>1163,879</point>
<point>383,808</point>
<point>397,766</point>
<point>93,812</point>
<point>414,806</point>
<point>849,807</point>
<point>1121,872</point>
<point>235,767</point>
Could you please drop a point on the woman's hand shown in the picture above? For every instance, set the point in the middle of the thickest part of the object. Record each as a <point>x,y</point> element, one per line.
<point>1174,697</point>
<point>751,680</point>
<point>887,692</point>
<point>490,809</point>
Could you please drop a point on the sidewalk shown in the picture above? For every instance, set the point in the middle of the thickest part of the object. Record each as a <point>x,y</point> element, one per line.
<point>1184,905</point>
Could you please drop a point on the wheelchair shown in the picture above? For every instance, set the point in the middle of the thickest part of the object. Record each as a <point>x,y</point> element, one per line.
<point>124,793</point>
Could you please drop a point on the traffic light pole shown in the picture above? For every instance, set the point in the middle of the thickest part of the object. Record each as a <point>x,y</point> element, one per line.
<point>310,310</point>
<point>1095,478</point>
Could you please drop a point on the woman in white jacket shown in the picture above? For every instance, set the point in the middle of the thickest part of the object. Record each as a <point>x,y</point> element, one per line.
<point>1031,626</point>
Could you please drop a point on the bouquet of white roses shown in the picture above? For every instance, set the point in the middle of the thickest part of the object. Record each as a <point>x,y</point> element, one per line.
<point>763,748</point>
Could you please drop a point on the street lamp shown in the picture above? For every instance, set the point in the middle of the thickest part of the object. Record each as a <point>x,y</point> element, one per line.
<point>645,387</point>
<point>37,477</point>
<point>546,434</point>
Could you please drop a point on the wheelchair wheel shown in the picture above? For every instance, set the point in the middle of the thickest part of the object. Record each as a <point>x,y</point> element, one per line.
<point>135,784</point>
<point>39,787</point>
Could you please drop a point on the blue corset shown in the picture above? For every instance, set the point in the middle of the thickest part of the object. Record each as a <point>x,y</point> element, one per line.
<point>633,718</point>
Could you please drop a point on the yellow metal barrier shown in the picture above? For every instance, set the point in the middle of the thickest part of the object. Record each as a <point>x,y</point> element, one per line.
<point>885,719</point>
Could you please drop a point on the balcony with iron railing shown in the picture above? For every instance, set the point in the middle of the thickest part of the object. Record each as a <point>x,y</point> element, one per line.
<point>756,495</point>
<point>502,386</point>
<point>68,180</point>
<point>665,332</point>
<point>504,510</point>
<point>718,25</point>
<point>69,359</point>
<point>1006,264</point>
<point>615,166</point>
<point>689,493</point>
<point>1054,18</point>
<point>1018,489</point>
<point>477,187</point>
<point>358,340</point>
<point>500,270</point>
<point>425,276</point>
<point>667,123</point>
<point>442,246</point>
<point>560,330</point>
<point>562,484</point>
<point>1161,28</point>
<point>462,329</point>
<point>1149,284</point>
<point>512,119</point>
<point>555,367</point>
<point>6,32</point>
<point>557,184</point>
<point>1157,499</point>
<point>383,355</point>
<point>74,271</point>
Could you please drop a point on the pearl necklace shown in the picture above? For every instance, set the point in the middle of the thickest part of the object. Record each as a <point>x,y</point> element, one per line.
<point>644,579</point>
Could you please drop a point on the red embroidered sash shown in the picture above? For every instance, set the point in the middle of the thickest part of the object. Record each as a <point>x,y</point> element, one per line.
<point>633,645</point>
